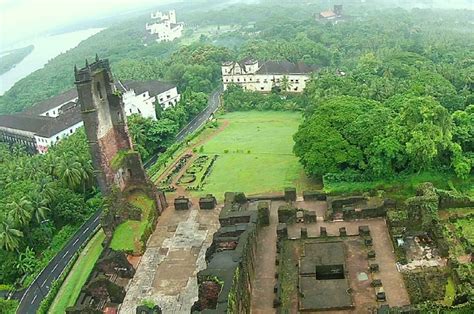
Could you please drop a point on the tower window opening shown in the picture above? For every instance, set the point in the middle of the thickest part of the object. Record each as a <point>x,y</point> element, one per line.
<point>99,90</point>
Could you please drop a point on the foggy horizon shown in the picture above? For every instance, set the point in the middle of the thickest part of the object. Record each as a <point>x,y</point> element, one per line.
<point>23,20</point>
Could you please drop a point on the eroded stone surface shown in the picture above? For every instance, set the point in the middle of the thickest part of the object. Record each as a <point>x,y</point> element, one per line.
<point>167,271</point>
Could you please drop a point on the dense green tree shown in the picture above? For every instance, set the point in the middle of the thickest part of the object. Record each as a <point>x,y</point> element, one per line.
<point>338,135</point>
<point>70,171</point>
<point>9,236</point>
<point>20,211</point>
<point>26,261</point>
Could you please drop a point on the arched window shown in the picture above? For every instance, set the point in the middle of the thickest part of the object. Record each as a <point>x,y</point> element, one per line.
<point>99,90</point>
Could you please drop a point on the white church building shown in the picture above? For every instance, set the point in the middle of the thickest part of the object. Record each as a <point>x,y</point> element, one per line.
<point>165,26</point>
<point>258,76</point>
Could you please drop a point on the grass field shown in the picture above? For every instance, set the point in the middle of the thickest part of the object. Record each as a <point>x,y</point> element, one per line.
<point>77,277</point>
<point>255,154</point>
<point>128,234</point>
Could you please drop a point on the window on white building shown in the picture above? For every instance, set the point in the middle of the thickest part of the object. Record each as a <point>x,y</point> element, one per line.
<point>168,96</point>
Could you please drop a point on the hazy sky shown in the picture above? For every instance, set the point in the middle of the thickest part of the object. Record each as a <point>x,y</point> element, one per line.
<point>22,19</point>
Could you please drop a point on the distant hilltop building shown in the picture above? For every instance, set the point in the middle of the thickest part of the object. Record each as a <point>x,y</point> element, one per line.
<point>165,26</point>
<point>335,13</point>
<point>47,122</point>
<point>254,75</point>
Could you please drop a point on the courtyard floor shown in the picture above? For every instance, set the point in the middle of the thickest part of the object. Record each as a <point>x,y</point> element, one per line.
<point>357,264</point>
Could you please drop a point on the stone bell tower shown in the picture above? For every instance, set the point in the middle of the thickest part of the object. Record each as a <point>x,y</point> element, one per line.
<point>117,166</point>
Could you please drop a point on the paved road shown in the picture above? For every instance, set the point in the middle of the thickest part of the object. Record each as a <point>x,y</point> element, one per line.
<point>198,121</point>
<point>32,297</point>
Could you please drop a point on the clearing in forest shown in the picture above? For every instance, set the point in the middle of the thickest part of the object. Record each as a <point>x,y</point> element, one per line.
<point>255,154</point>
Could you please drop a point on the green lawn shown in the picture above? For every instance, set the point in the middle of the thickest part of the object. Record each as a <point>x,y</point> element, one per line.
<point>255,154</point>
<point>77,277</point>
<point>128,234</point>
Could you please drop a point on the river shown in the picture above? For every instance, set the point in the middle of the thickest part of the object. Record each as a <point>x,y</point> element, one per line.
<point>46,48</point>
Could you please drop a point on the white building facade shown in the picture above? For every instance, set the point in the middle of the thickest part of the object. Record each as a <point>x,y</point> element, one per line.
<point>142,97</point>
<point>165,26</point>
<point>43,142</point>
<point>49,121</point>
<point>253,75</point>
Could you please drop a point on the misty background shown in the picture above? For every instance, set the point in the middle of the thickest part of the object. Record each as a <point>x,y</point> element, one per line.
<point>23,20</point>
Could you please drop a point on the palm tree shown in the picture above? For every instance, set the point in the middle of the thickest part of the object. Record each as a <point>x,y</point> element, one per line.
<point>20,212</point>
<point>87,173</point>
<point>285,83</point>
<point>9,236</point>
<point>69,171</point>
<point>47,189</point>
<point>40,207</point>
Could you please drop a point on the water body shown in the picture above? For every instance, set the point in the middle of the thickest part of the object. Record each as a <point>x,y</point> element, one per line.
<point>46,48</point>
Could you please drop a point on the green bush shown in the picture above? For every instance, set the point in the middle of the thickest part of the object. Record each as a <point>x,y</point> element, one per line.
<point>8,306</point>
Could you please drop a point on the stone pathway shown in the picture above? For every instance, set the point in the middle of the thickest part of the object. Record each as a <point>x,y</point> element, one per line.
<point>262,292</point>
<point>175,253</point>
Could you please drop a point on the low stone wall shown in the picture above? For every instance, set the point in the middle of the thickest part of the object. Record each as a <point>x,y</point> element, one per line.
<point>102,284</point>
<point>451,199</point>
<point>357,207</point>
<point>224,284</point>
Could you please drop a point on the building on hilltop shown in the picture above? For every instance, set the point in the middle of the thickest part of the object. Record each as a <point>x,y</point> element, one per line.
<point>334,14</point>
<point>165,26</point>
<point>47,122</point>
<point>253,75</point>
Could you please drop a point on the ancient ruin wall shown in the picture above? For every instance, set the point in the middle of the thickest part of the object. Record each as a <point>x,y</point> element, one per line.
<point>119,169</point>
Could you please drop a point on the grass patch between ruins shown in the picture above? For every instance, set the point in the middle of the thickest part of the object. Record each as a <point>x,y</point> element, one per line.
<point>255,154</point>
<point>127,236</point>
<point>288,274</point>
<point>77,277</point>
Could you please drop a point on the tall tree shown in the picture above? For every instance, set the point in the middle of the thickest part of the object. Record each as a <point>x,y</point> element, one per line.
<point>285,84</point>
<point>70,171</point>
<point>20,211</point>
<point>9,236</point>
